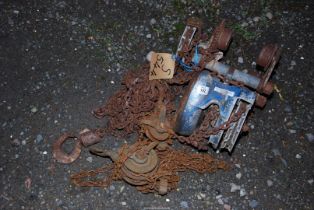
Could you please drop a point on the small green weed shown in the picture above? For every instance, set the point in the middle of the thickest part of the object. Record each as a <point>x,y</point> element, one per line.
<point>243,31</point>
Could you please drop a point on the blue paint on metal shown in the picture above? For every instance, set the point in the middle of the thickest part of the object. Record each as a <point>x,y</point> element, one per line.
<point>184,66</point>
<point>196,58</point>
<point>195,61</point>
<point>237,75</point>
<point>207,91</point>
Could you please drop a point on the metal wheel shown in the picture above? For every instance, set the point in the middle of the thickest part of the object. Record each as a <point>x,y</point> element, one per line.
<point>224,39</point>
<point>266,55</point>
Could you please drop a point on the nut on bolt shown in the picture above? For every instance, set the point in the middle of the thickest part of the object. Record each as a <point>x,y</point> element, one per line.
<point>260,101</point>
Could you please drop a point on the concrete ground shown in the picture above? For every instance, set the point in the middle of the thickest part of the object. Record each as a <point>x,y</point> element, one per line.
<point>60,59</point>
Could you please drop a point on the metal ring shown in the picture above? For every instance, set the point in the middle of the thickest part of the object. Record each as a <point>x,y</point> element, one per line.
<point>62,156</point>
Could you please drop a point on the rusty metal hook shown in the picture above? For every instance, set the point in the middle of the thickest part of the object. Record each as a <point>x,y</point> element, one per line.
<point>104,153</point>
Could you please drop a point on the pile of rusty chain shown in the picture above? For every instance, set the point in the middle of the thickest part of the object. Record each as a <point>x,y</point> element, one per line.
<point>124,116</point>
<point>136,99</point>
<point>162,176</point>
<point>138,96</point>
<point>148,107</point>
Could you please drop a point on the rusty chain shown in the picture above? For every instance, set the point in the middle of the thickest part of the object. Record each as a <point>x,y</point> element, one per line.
<point>138,99</point>
<point>171,162</point>
<point>199,137</point>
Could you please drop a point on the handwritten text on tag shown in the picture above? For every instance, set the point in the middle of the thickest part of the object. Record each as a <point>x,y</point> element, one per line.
<point>161,66</point>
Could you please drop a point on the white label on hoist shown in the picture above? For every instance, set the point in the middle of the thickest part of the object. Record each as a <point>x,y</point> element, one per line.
<point>203,90</point>
<point>224,91</point>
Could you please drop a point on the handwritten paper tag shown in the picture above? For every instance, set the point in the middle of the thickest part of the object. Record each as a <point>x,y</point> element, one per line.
<point>161,66</point>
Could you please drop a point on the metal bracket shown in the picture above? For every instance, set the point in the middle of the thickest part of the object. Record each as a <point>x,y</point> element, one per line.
<point>206,91</point>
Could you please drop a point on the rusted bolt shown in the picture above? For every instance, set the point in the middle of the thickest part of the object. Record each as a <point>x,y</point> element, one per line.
<point>268,88</point>
<point>260,101</point>
<point>139,157</point>
<point>139,166</point>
